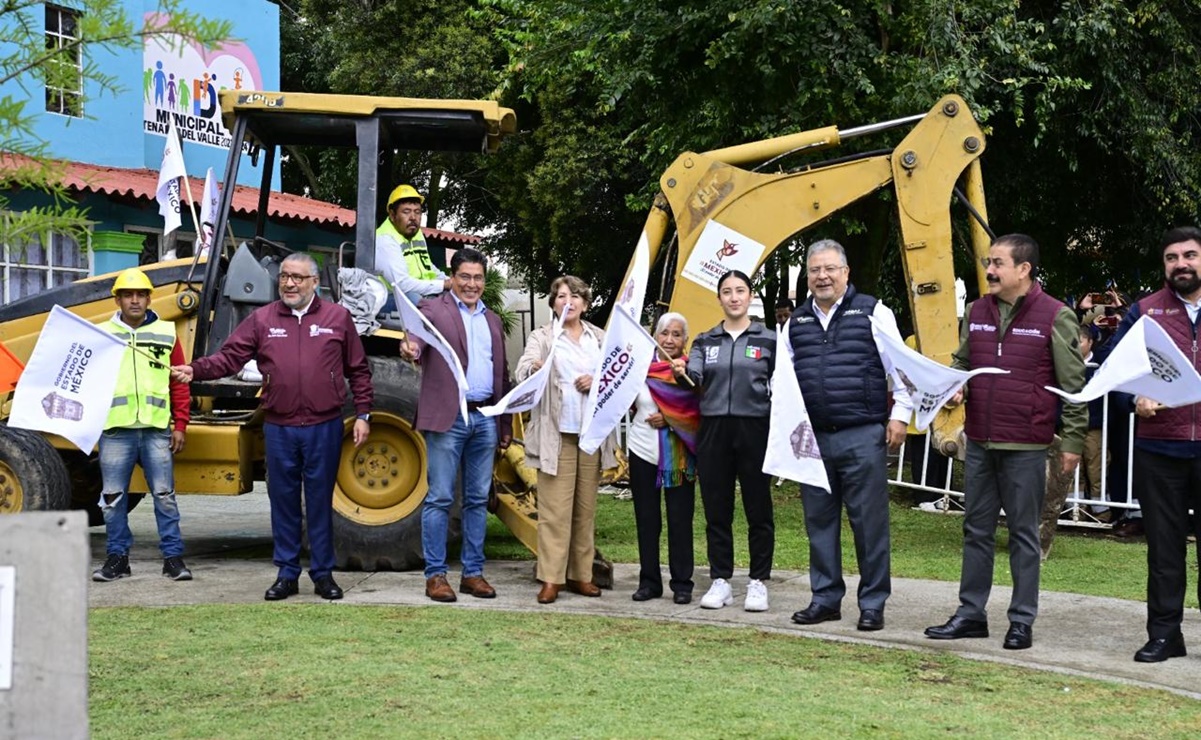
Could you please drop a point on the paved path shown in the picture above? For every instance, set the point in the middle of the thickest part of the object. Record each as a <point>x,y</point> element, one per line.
<point>229,540</point>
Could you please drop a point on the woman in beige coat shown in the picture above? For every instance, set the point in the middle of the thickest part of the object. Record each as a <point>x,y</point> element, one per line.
<point>567,477</point>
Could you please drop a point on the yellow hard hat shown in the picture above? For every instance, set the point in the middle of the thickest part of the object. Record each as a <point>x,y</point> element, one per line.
<point>404,192</point>
<point>132,279</point>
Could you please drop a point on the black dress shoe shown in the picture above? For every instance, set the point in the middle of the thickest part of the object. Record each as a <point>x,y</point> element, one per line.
<point>816,614</point>
<point>282,589</point>
<point>1157,651</point>
<point>682,597</point>
<point>1019,637</point>
<point>870,620</point>
<point>327,589</point>
<point>957,627</point>
<point>646,593</point>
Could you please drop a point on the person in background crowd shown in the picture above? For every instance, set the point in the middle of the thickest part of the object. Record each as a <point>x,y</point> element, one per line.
<point>302,404</point>
<point>662,442</point>
<point>784,309</point>
<point>567,477</point>
<point>843,376</point>
<point>146,426</point>
<point>731,367</point>
<point>1167,449</point>
<point>1010,423</point>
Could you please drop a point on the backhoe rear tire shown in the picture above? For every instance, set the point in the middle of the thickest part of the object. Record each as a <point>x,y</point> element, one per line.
<point>380,486</point>
<point>32,474</point>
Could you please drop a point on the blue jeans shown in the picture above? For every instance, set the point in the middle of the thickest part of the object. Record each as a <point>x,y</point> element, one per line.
<point>302,460</point>
<point>468,450</point>
<point>120,450</point>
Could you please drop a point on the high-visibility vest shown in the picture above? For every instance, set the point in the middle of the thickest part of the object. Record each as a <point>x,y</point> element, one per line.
<point>416,251</point>
<point>142,396</point>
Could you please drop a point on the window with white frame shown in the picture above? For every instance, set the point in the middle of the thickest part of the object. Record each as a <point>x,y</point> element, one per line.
<point>64,69</point>
<point>39,263</point>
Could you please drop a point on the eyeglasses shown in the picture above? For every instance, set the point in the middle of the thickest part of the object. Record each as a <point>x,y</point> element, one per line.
<point>823,270</point>
<point>991,262</point>
<point>466,278</point>
<point>287,277</point>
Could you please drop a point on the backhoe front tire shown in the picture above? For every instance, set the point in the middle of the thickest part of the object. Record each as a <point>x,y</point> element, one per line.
<point>381,486</point>
<point>32,474</point>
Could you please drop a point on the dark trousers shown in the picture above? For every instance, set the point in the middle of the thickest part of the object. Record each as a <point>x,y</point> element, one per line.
<point>1167,488</point>
<point>729,448</point>
<point>680,502</point>
<point>856,465</point>
<point>302,460</point>
<point>1015,480</point>
<point>934,464</point>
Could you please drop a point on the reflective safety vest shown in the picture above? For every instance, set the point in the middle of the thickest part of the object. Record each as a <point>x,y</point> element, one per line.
<point>416,251</point>
<point>142,396</point>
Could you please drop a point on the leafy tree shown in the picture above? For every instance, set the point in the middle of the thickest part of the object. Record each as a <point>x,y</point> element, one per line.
<point>1091,110</point>
<point>104,26</point>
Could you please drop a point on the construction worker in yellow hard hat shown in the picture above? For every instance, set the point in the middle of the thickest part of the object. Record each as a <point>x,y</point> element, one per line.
<point>146,426</point>
<point>402,256</point>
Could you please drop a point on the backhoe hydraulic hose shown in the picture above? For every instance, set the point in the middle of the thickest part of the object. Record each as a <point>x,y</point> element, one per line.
<point>975,214</point>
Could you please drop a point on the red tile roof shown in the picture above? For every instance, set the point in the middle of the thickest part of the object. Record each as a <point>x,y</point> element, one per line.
<point>141,184</point>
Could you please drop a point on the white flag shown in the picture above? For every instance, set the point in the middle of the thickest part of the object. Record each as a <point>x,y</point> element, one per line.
<point>929,383</point>
<point>626,355</point>
<point>208,210</point>
<point>526,394</point>
<point>169,173</point>
<point>418,325</point>
<point>67,386</point>
<point>1145,363</point>
<point>792,450</point>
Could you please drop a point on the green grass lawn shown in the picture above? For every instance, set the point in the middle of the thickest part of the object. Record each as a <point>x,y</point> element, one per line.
<point>320,671</point>
<point>325,671</point>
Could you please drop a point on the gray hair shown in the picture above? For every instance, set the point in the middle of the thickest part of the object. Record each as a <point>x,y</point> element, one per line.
<point>826,245</point>
<point>669,317</point>
<point>306,258</point>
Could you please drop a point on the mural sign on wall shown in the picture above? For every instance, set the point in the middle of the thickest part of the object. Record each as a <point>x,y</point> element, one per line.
<point>181,80</point>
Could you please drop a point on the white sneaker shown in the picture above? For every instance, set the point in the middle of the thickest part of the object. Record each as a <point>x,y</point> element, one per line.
<point>718,595</point>
<point>756,596</point>
<point>938,506</point>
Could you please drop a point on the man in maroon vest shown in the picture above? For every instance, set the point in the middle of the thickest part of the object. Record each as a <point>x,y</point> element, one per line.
<point>1167,449</point>
<point>1010,423</point>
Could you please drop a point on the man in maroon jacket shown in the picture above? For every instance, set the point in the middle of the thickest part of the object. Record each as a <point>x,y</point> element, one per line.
<point>1010,423</point>
<point>304,347</point>
<point>1167,449</point>
<point>458,448</point>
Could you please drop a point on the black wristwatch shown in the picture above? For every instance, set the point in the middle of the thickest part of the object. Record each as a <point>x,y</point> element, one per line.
<point>364,417</point>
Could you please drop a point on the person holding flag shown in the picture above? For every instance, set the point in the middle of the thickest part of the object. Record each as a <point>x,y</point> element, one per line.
<point>843,373</point>
<point>146,426</point>
<point>460,448</point>
<point>568,478</point>
<point>1167,450</point>
<point>731,366</point>
<point>1010,423</point>
<point>662,442</point>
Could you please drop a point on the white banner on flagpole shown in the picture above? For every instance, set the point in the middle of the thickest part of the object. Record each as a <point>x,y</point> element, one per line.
<point>929,383</point>
<point>168,193</point>
<point>1145,363</point>
<point>208,211</point>
<point>624,359</point>
<point>526,394</point>
<point>418,325</point>
<point>67,386</point>
<point>792,450</point>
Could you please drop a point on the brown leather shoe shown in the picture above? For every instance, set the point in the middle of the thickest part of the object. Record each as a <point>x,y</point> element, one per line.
<point>476,586</point>
<point>583,588</point>
<point>438,589</point>
<point>549,592</point>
